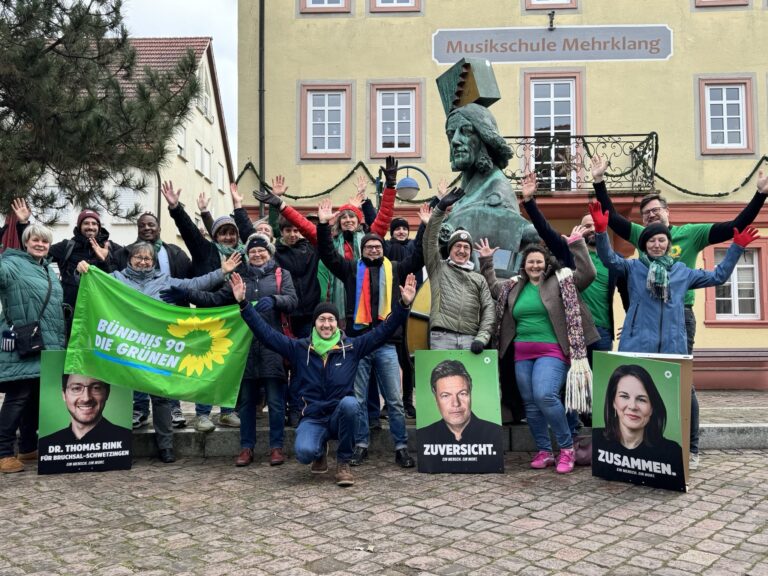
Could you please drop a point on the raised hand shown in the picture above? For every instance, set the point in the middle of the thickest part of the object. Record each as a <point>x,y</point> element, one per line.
<point>238,286</point>
<point>576,234</point>
<point>599,166</point>
<point>202,202</point>
<point>450,199</point>
<point>408,290</point>
<point>361,184</point>
<point>744,238</point>
<point>484,248</point>
<point>278,185</point>
<point>762,182</point>
<point>231,263</point>
<point>358,199</point>
<point>530,185</point>
<point>598,216</point>
<point>390,172</point>
<point>442,187</point>
<point>425,213</point>
<point>21,210</point>
<point>101,253</point>
<point>269,198</point>
<point>325,213</point>
<point>171,196</point>
<point>237,198</point>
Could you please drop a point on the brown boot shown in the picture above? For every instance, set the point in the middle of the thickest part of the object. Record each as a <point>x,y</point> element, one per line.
<point>27,456</point>
<point>320,466</point>
<point>245,457</point>
<point>276,457</point>
<point>10,464</point>
<point>344,475</point>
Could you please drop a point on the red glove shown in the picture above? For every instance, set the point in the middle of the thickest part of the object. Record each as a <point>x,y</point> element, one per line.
<point>599,217</point>
<point>744,238</point>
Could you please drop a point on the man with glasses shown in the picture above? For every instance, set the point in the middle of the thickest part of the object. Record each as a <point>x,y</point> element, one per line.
<point>86,398</point>
<point>687,240</point>
<point>371,288</point>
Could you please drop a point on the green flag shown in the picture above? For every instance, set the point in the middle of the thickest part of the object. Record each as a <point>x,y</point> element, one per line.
<point>125,338</point>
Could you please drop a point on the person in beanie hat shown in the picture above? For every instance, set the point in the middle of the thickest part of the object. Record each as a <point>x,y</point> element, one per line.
<point>207,255</point>
<point>657,284</point>
<point>462,311</point>
<point>325,366</point>
<point>90,242</point>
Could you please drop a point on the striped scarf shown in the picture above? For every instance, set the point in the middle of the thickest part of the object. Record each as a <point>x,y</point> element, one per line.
<point>332,288</point>
<point>363,316</point>
<point>657,281</point>
<point>578,383</point>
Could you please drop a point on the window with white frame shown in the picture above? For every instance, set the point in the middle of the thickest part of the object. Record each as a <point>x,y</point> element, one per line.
<point>207,164</point>
<point>320,6</point>
<point>325,3</point>
<point>541,4</point>
<point>181,141</point>
<point>725,110</point>
<point>552,110</point>
<point>396,112</point>
<point>198,156</point>
<point>126,201</point>
<point>204,100</point>
<point>220,177</point>
<point>395,3</point>
<point>739,297</point>
<point>325,128</point>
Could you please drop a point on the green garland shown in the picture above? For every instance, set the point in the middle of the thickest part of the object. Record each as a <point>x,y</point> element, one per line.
<point>641,161</point>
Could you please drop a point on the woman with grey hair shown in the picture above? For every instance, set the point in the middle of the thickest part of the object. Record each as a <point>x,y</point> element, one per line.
<point>30,292</point>
<point>142,275</point>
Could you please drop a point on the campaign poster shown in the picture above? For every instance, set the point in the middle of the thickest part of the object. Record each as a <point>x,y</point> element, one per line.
<point>458,412</point>
<point>85,424</point>
<point>640,419</point>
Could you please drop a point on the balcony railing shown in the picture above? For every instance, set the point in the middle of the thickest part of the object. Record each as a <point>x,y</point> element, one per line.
<point>563,162</point>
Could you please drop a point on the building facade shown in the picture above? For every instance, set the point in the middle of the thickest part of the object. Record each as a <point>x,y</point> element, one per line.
<point>675,94</point>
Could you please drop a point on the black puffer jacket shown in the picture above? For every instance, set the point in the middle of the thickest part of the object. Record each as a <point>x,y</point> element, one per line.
<point>262,362</point>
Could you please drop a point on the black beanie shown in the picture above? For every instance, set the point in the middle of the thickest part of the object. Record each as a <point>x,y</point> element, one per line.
<point>396,223</point>
<point>368,237</point>
<point>650,231</point>
<point>259,241</point>
<point>325,308</point>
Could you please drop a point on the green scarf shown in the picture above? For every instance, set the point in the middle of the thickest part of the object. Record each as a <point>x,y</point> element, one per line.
<point>658,275</point>
<point>157,245</point>
<point>322,346</point>
<point>227,251</point>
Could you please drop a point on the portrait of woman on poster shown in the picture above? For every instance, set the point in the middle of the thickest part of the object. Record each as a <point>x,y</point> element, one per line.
<point>635,420</point>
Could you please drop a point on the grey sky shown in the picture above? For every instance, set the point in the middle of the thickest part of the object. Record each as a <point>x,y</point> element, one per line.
<point>214,18</point>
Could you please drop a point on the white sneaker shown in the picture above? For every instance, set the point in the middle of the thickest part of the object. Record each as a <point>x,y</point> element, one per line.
<point>177,418</point>
<point>693,461</point>
<point>231,420</point>
<point>204,424</point>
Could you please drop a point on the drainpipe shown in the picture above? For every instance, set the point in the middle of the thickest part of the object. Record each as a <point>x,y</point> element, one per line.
<point>262,138</point>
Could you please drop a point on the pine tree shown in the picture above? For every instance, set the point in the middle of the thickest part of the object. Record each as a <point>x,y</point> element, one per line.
<point>74,108</point>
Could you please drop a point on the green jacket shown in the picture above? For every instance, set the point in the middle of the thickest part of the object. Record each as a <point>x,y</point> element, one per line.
<point>461,300</point>
<point>23,286</point>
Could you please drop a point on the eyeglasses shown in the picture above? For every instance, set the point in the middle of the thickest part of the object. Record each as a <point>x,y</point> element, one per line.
<point>652,211</point>
<point>373,248</point>
<point>142,258</point>
<point>95,389</point>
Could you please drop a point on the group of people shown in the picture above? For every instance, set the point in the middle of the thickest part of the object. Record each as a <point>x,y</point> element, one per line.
<point>328,298</point>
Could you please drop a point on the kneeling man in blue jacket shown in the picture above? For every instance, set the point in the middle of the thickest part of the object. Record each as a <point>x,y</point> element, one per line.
<point>325,365</point>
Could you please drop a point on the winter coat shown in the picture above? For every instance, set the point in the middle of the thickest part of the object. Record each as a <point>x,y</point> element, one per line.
<point>549,290</point>
<point>652,325</point>
<point>461,301</point>
<point>178,261</point>
<point>80,250</point>
<point>23,287</point>
<point>259,283</point>
<point>151,282</point>
<point>321,384</point>
<point>346,271</point>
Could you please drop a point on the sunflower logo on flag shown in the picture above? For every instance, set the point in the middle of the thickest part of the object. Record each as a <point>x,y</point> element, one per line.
<point>212,332</point>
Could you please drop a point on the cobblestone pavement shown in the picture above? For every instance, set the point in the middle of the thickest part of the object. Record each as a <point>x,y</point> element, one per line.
<point>208,517</point>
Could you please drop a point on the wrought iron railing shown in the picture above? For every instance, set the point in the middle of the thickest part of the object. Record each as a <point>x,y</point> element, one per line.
<point>563,162</point>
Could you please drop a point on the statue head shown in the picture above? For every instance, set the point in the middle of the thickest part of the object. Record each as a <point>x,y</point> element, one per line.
<point>474,139</point>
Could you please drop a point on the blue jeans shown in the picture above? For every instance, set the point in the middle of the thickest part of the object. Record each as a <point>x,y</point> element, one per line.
<point>249,400</point>
<point>690,329</point>
<point>19,412</point>
<point>205,409</point>
<point>605,344</point>
<point>384,363</point>
<point>540,382</point>
<point>313,433</point>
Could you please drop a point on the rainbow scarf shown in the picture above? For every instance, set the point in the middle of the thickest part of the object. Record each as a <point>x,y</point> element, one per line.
<point>363,317</point>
